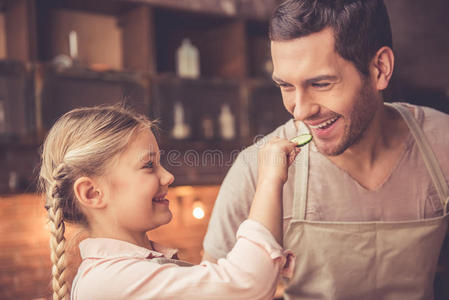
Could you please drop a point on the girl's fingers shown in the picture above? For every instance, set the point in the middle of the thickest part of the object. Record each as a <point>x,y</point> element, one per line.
<point>292,155</point>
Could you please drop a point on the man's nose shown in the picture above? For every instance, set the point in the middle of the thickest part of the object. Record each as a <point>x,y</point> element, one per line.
<point>304,106</point>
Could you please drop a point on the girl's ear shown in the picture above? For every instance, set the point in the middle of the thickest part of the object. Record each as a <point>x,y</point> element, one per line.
<point>382,66</point>
<point>88,193</point>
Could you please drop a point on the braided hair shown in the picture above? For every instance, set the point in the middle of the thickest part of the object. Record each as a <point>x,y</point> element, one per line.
<point>83,142</point>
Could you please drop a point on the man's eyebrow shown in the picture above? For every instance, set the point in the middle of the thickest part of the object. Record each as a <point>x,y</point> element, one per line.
<point>310,80</point>
<point>277,80</point>
<point>322,77</point>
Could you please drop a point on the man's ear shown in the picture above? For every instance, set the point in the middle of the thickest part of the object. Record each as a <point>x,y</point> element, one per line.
<point>382,66</point>
<point>88,193</point>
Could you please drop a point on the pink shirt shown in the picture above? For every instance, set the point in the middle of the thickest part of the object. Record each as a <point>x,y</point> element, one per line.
<point>114,269</point>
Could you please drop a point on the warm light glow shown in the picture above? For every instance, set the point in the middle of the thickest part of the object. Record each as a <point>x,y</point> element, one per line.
<point>198,210</point>
<point>198,213</point>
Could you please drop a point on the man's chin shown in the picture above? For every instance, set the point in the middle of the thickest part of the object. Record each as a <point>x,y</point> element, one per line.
<point>330,150</point>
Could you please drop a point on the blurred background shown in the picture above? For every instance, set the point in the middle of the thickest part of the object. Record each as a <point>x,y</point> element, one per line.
<point>202,67</point>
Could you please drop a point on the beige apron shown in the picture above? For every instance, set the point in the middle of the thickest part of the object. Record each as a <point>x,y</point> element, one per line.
<point>365,260</point>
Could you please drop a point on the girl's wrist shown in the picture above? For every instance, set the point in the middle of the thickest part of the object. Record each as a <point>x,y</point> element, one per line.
<point>270,181</point>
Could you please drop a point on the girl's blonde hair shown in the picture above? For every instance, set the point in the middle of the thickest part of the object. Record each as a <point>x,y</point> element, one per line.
<point>81,143</point>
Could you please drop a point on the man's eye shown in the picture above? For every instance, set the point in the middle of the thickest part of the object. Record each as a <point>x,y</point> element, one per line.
<point>148,165</point>
<point>283,85</point>
<point>321,85</point>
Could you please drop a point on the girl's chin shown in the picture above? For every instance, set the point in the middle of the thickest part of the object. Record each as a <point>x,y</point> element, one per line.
<point>166,218</point>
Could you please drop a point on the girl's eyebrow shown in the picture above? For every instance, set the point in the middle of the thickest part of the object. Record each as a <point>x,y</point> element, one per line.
<point>145,156</point>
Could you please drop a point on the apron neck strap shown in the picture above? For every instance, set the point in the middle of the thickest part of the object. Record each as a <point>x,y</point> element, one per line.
<point>301,181</point>
<point>430,160</point>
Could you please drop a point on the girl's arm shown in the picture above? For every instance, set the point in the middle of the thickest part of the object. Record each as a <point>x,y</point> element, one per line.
<point>273,161</point>
<point>250,270</point>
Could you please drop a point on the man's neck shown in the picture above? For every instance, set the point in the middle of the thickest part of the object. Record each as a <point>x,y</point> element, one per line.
<point>367,149</point>
<point>382,141</point>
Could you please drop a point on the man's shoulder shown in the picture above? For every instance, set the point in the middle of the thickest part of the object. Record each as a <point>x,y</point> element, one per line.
<point>434,117</point>
<point>434,124</point>
<point>432,121</point>
<point>428,113</point>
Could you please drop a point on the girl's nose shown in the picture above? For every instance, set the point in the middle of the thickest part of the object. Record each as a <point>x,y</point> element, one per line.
<point>166,178</point>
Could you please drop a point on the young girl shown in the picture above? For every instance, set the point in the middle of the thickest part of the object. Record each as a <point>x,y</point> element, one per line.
<point>100,168</point>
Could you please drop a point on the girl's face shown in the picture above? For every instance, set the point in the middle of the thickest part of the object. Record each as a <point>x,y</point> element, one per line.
<point>136,186</point>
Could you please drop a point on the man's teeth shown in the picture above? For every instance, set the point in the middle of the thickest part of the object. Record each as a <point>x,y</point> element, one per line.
<point>324,124</point>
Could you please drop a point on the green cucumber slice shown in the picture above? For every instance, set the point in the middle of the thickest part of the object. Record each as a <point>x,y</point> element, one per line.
<point>302,139</point>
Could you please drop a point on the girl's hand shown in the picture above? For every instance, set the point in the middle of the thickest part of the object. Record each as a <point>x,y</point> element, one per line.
<point>274,159</point>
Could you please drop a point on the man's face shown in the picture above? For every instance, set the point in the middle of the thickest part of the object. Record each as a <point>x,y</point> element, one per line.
<point>324,91</point>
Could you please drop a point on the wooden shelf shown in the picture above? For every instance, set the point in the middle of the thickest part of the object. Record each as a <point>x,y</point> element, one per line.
<point>209,7</point>
<point>259,55</point>
<point>63,90</point>
<point>85,73</point>
<point>16,96</point>
<point>127,53</point>
<point>220,41</point>
<point>199,98</point>
<point>265,107</point>
<point>254,9</point>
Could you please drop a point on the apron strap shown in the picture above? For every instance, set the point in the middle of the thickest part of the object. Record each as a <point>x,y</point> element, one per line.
<point>433,167</point>
<point>301,180</point>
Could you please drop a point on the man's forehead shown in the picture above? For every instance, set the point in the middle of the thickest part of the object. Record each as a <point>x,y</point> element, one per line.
<point>323,37</point>
<point>307,60</point>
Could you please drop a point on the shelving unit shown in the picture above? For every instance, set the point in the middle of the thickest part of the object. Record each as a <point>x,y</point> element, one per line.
<point>16,102</point>
<point>87,88</point>
<point>127,53</point>
<point>220,41</point>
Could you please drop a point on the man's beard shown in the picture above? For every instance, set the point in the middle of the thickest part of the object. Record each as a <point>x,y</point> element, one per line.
<point>359,120</point>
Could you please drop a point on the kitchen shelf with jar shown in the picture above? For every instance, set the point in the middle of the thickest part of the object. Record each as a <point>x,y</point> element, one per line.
<point>93,52</point>
<point>200,126</point>
<point>219,40</point>
<point>95,35</point>
<point>259,63</point>
<point>17,109</point>
<point>60,90</point>
<point>265,107</point>
<point>198,105</point>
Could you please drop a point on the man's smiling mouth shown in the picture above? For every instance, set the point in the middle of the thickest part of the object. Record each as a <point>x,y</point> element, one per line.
<point>325,124</point>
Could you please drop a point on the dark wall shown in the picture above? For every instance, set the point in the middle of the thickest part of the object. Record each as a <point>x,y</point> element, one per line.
<point>421,43</point>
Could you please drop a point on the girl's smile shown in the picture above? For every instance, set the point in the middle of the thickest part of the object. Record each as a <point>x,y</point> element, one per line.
<point>135,177</point>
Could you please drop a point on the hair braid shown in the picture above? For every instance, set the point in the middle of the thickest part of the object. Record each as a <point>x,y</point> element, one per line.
<point>82,142</point>
<point>57,239</point>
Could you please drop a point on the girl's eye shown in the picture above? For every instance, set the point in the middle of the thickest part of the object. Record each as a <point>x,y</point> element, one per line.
<point>148,165</point>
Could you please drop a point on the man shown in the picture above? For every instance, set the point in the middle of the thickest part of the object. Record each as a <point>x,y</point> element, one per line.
<point>365,202</point>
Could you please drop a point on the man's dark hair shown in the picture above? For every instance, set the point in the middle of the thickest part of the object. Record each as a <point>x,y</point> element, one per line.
<point>361,27</point>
